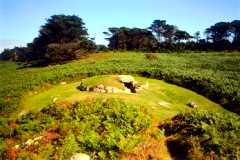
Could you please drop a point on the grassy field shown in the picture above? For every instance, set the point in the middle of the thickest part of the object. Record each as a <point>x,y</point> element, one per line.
<point>215,75</point>
<point>119,125</point>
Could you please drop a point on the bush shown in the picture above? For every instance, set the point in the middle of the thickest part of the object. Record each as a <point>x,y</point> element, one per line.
<point>82,87</point>
<point>205,133</point>
<point>102,128</point>
<point>106,127</point>
<point>2,147</point>
<point>69,147</point>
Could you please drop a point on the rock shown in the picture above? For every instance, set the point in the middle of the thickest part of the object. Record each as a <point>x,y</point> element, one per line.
<point>146,85</point>
<point>96,89</point>
<point>63,83</point>
<point>54,99</point>
<point>138,89</point>
<point>126,78</point>
<point>80,156</point>
<point>29,142</point>
<point>100,86</point>
<point>116,90</point>
<point>34,141</point>
<point>127,90</point>
<point>192,104</point>
<point>99,90</point>
<point>102,91</point>
<point>16,146</point>
<point>38,138</point>
<point>108,89</point>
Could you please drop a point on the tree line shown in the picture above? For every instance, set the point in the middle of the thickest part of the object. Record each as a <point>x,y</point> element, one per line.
<point>65,37</point>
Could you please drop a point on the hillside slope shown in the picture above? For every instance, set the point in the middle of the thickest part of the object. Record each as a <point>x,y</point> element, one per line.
<point>45,116</point>
<point>215,75</point>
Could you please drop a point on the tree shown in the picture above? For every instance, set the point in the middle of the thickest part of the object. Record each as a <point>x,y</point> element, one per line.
<point>197,36</point>
<point>236,33</point>
<point>15,54</point>
<point>219,34</point>
<point>131,39</point>
<point>169,33</point>
<point>158,27</point>
<point>181,35</point>
<point>63,29</point>
<point>219,31</point>
<point>57,36</point>
<point>8,55</point>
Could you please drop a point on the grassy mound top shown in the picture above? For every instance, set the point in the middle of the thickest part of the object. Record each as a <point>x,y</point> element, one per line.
<point>163,98</point>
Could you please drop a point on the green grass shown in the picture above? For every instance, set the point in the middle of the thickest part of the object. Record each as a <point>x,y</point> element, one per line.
<point>158,92</point>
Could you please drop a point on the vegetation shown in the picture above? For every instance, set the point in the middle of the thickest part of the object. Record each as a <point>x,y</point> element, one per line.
<point>131,39</point>
<point>35,124</point>
<point>102,128</point>
<point>214,75</point>
<point>199,134</point>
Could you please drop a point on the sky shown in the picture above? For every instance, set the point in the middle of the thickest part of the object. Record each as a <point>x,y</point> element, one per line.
<point>20,20</point>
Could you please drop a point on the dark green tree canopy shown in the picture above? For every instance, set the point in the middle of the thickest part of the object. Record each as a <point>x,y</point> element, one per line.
<point>181,35</point>
<point>159,28</point>
<point>236,31</point>
<point>131,39</point>
<point>218,32</point>
<point>164,32</point>
<point>62,38</point>
<point>63,29</point>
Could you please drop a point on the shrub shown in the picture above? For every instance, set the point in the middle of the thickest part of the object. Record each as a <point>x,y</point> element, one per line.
<point>210,134</point>
<point>82,87</point>
<point>103,128</point>
<point>69,147</point>
<point>2,147</point>
<point>109,125</point>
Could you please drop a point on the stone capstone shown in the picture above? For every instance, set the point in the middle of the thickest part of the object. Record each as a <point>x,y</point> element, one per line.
<point>80,156</point>
<point>126,79</point>
<point>192,104</point>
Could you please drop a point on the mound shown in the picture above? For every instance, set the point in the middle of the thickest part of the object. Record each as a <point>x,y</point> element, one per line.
<point>163,98</point>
